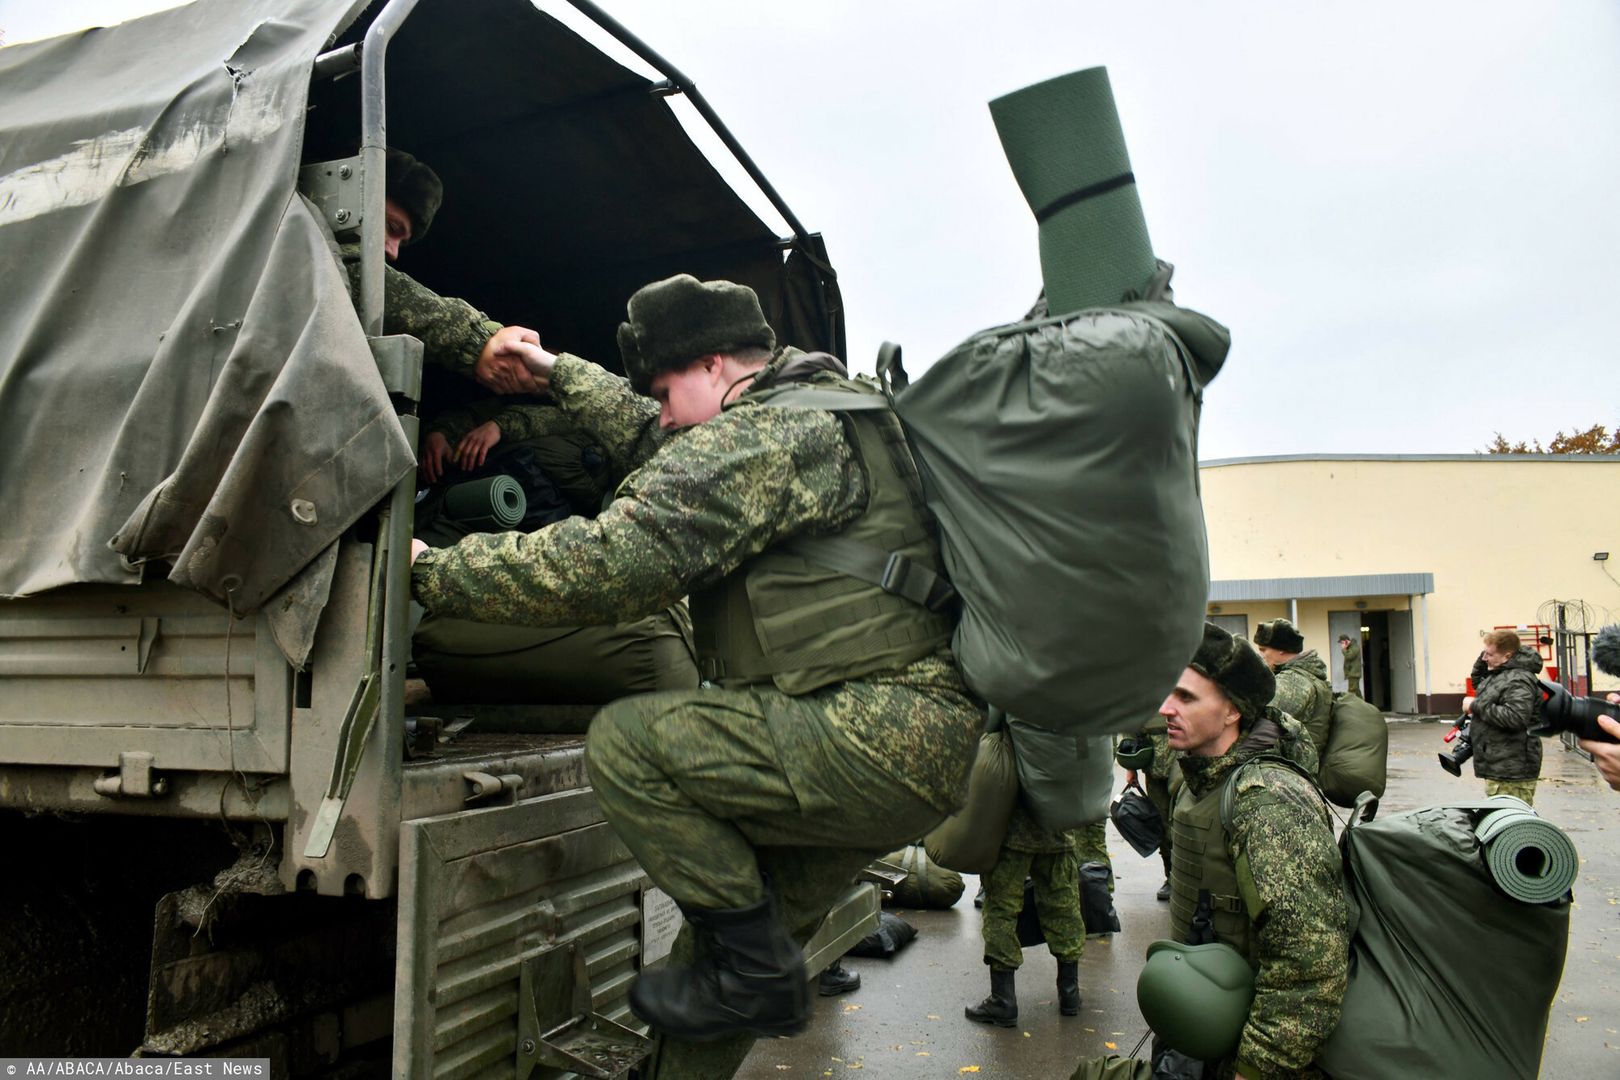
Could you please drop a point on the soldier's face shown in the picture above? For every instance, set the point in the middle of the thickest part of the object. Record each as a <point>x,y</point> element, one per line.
<point>396,228</point>
<point>691,395</point>
<point>1270,655</point>
<point>1493,658</point>
<point>1199,719</point>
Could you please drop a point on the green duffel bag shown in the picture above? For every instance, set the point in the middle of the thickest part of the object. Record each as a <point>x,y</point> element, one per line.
<point>1067,779</point>
<point>927,884</point>
<point>970,839</point>
<point>1356,757</point>
<point>1450,977</point>
<point>1113,1067</point>
<point>472,663</point>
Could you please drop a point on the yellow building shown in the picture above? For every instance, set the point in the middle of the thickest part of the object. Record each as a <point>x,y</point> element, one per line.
<point>1418,556</point>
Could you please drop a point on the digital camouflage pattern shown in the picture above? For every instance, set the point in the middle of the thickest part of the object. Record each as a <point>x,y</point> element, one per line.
<point>1303,938</point>
<point>1025,834</point>
<point>452,331</point>
<point>1519,789</point>
<point>1504,711</point>
<point>1303,692</point>
<point>1056,877</point>
<point>519,421</point>
<point>700,504</point>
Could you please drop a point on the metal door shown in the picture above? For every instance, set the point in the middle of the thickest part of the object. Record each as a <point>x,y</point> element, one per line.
<point>1341,622</point>
<point>1402,665</point>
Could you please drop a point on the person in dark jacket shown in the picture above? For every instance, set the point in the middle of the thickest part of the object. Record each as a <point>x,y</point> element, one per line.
<point>1506,756</point>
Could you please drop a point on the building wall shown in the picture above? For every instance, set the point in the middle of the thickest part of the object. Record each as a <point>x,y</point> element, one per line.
<point>1502,535</point>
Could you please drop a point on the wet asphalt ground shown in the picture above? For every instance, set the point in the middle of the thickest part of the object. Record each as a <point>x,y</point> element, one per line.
<point>906,1019</point>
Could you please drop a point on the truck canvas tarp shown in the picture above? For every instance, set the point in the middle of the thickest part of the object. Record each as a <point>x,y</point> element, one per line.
<point>180,360</point>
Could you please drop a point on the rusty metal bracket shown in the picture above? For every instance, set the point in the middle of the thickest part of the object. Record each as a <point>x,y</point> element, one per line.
<point>558,1027</point>
<point>134,779</point>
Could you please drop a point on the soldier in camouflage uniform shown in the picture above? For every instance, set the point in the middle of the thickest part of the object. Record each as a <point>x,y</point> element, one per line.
<point>1506,756</point>
<point>1352,664</point>
<point>755,800</point>
<point>1049,859</point>
<point>1265,877</point>
<point>1303,690</point>
<point>455,335</point>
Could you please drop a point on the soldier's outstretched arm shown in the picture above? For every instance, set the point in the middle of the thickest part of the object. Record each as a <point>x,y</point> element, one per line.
<point>1302,927</point>
<point>722,493</point>
<point>598,402</point>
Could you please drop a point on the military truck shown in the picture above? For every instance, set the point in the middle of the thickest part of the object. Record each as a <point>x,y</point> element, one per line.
<point>226,833</point>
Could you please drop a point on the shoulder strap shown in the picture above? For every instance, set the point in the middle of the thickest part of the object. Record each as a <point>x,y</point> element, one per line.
<point>1229,789</point>
<point>810,397</point>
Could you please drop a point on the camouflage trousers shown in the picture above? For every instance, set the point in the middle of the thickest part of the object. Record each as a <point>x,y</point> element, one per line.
<point>1057,904</point>
<point>710,790</point>
<point>1519,789</point>
<point>1091,846</point>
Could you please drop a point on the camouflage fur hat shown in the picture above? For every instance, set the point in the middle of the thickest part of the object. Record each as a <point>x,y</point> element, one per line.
<point>675,321</point>
<point>415,187</point>
<point>1233,664</point>
<point>1279,634</point>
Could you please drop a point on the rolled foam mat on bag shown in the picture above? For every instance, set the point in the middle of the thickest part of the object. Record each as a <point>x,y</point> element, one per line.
<point>1532,860</point>
<point>488,505</point>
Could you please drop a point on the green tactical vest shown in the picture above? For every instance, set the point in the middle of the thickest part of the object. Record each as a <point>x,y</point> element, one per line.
<point>1201,855</point>
<point>821,610</point>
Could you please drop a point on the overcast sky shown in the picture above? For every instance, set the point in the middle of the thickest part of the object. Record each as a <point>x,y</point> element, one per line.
<point>1405,211</point>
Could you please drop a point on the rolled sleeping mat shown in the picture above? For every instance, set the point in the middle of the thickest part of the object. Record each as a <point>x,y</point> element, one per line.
<point>1532,860</point>
<point>488,505</point>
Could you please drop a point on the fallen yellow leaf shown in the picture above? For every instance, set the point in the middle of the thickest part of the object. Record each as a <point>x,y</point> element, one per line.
<point>1582,1019</point>
<point>968,1068</point>
<point>931,1016</point>
<point>922,1053</point>
<point>1026,1034</point>
<point>1111,1046</point>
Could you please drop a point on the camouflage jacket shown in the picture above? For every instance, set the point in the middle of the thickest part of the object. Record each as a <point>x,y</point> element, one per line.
<point>1303,933</point>
<point>697,504</point>
<point>1303,692</point>
<point>1023,834</point>
<point>518,420</point>
<point>1504,712</point>
<point>452,331</point>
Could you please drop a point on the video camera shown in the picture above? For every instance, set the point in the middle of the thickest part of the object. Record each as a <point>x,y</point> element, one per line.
<point>1562,711</point>
<point>1454,761</point>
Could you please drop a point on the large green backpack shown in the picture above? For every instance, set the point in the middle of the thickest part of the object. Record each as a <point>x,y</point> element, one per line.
<point>1059,457</point>
<point>1356,757</point>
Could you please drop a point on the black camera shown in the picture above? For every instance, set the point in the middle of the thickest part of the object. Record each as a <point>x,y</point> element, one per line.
<point>1462,751</point>
<point>1562,711</point>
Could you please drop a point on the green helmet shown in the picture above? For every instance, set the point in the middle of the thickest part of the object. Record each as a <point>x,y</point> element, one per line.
<point>1134,753</point>
<point>1196,997</point>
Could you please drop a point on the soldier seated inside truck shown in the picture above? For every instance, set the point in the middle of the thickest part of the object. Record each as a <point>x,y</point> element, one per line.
<point>454,334</point>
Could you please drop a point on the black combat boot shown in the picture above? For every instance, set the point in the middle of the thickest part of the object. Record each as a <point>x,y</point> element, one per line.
<point>1001,1007</point>
<point>1069,987</point>
<point>1163,895</point>
<point>837,980</point>
<point>749,976</point>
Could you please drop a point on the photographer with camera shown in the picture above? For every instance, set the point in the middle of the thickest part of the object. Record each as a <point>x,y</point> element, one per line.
<point>1507,756</point>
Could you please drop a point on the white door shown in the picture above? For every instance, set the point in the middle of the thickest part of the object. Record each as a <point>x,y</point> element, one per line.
<point>1402,664</point>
